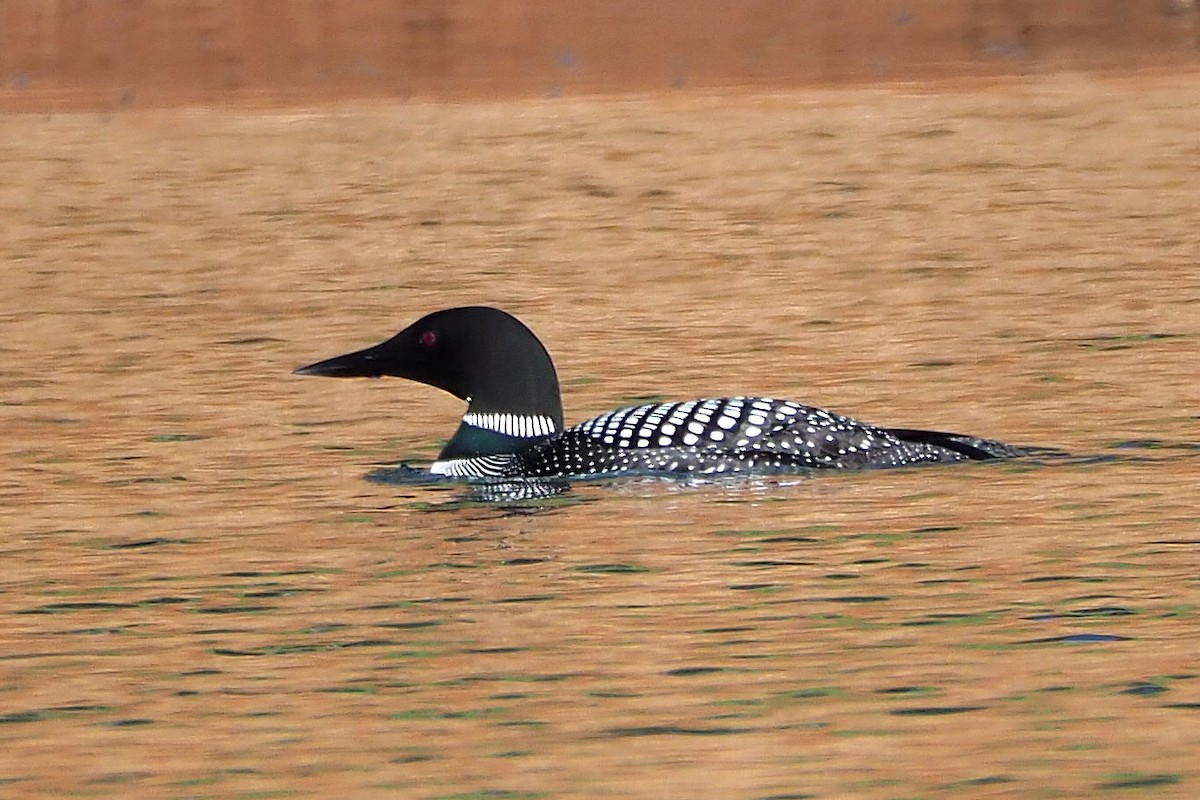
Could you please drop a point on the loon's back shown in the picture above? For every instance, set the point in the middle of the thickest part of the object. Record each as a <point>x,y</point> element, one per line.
<point>730,435</point>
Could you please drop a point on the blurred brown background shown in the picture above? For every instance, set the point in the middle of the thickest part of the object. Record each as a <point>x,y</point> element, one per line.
<point>108,53</point>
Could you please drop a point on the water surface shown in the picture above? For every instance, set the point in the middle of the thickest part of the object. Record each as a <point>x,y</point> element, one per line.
<point>204,597</point>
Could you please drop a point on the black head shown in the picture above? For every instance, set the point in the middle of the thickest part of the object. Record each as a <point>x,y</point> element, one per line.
<point>482,355</point>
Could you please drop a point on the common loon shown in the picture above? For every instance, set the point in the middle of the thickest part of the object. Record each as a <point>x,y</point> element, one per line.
<point>513,426</point>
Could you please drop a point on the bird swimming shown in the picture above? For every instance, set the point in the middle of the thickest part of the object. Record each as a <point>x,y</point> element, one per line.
<point>513,426</point>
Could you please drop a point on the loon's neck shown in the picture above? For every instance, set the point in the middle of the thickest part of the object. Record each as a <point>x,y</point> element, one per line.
<point>497,433</point>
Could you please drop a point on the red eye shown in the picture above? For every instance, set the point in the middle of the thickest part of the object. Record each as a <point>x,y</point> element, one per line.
<point>427,339</point>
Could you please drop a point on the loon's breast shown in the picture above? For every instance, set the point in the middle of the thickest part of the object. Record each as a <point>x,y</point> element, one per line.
<point>708,436</point>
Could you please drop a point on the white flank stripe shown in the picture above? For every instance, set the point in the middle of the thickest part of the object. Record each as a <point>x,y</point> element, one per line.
<point>480,467</point>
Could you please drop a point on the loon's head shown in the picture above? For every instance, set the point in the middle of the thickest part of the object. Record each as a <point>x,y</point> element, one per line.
<point>482,355</point>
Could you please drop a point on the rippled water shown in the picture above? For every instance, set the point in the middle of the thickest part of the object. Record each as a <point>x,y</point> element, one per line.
<point>203,595</point>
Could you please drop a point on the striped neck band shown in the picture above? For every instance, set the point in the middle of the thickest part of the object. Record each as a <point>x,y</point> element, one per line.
<point>518,425</point>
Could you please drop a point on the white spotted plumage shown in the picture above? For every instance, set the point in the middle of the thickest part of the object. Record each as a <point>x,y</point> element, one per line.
<point>714,436</point>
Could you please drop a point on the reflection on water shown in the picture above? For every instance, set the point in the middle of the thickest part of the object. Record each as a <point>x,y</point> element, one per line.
<point>203,597</point>
<point>513,495</point>
<point>540,495</point>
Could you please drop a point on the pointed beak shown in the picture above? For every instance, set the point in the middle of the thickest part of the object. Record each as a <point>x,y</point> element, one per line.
<point>359,364</point>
